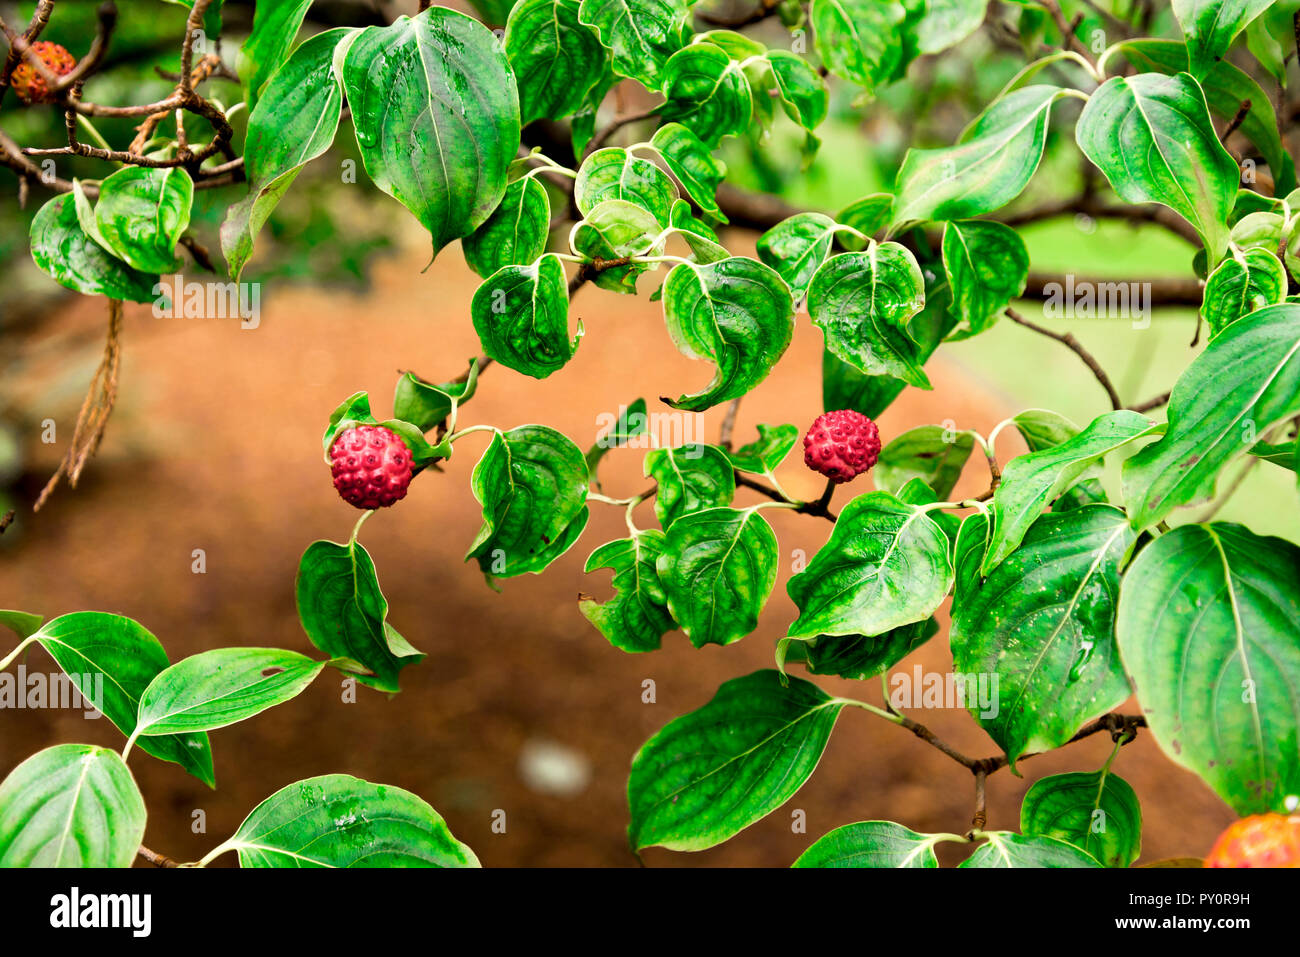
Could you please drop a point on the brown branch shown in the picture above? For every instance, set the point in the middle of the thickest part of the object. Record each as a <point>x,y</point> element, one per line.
<point>1159,292</point>
<point>156,859</point>
<point>589,270</point>
<point>729,424</point>
<point>1236,122</point>
<point>1150,404</point>
<point>601,138</point>
<point>765,9</point>
<point>980,817</point>
<point>1068,340</point>
<point>6,520</point>
<point>820,508</point>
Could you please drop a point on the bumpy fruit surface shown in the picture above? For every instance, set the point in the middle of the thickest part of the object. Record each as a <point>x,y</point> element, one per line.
<point>371,466</point>
<point>1263,840</point>
<point>841,445</point>
<point>29,84</point>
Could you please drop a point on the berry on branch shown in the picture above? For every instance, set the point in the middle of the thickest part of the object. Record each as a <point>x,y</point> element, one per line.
<point>1262,840</point>
<point>371,466</point>
<point>28,83</point>
<point>841,445</point>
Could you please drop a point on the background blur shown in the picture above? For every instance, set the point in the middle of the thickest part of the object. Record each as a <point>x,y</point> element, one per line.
<point>521,705</point>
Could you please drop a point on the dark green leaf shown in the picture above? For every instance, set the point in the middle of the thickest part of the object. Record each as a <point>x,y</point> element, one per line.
<point>931,453</point>
<point>557,60</point>
<point>987,266</point>
<point>142,213</point>
<point>1097,812</point>
<point>796,247</point>
<point>768,451</point>
<point>863,656</point>
<point>690,478</point>
<point>515,234</point>
<point>871,844</point>
<point>1243,282</point>
<point>275,24</point>
<point>688,158</point>
<point>521,315</point>
<point>632,421</point>
<point>642,34</point>
<point>636,618</point>
<point>707,92</point>
<point>615,174</point>
<point>62,248</point>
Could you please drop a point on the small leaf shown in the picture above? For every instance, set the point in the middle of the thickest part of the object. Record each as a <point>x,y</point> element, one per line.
<point>871,844</point>
<point>275,25</point>
<point>516,232</point>
<point>641,34</point>
<point>861,657</point>
<point>616,229</point>
<point>690,479</point>
<point>1243,282</point>
<point>1097,812</point>
<point>1005,849</point>
<point>424,405</point>
<point>987,266</point>
<point>707,92</point>
<point>636,618</point>
<point>615,174</point>
<point>769,450</point>
<point>931,453</point>
<point>62,248</point>
<point>142,213</point>
<point>557,60</point>
<point>708,775</point>
<point>688,158</point>
<point>868,215</point>
<point>521,315</point>
<point>632,421</point>
<point>796,247</point>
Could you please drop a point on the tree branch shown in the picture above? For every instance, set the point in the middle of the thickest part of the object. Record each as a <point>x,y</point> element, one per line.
<point>1068,340</point>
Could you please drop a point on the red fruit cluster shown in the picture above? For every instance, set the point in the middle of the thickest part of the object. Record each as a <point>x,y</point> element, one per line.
<point>371,466</point>
<point>841,445</point>
<point>1262,840</point>
<point>29,84</point>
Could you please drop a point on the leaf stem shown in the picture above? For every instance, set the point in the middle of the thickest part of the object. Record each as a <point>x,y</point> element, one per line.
<point>9,659</point>
<point>455,436</point>
<point>357,527</point>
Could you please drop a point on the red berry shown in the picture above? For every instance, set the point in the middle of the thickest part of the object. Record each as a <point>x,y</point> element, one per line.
<point>841,445</point>
<point>371,466</point>
<point>1262,840</point>
<point>28,83</point>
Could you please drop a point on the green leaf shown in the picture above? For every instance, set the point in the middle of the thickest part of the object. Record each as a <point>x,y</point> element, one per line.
<point>516,232</point>
<point>1226,87</point>
<point>1005,849</point>
<point>717,569</point>
<point>1043,623</point>
<point>886,564</point>
<point>868,215</point>
<point>631,422</point>
<point>1287,455</point>
<point>708,775</point>
<point>1095,811</point>
<point>987,266</point>
<point>636,618</point>
<point>557,60</point>
<point>802,92</point>
<point>615,174</point>
<point>275,24</point>
<point>62,248</point>
<point>142,213</point>
<point>769,450</point>
<point>532,484</point>
<point>690,478</point>
<point>857,39</point>
<point>861,656</point>
<point>641,34</point>
<point>1033,481</point>
<point>697,234</point>
<point>707,92</point>
<point>796,247</point>
<point>88,644</point>
<point>871,844</point>
<point>1165,120</point>
<point>437,117</point>
<point>736,313</point>
<point>1243,282</point>
<point>217,688</point>
<point>521,315</point>
<point>353,411</point>
<point>1042,429</point>
<point>294,122</point>
<point>21,623</point>
<point>989,167</point>
<point>862,302</point>
<point>211,16</point>
<point>1210,26</point>
<point>1221,602</point>
<point>346,615</point>
<point>946,23</point>
<point>336,820</point>
<point>931,453</point>
<point>72,805</point>
<point>616,229</point>
<point>688,158</point>
<point>424,405</point>
<point>1245,382</point>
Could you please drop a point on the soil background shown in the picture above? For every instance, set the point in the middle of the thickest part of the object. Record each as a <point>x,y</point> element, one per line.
<point>215,445</point>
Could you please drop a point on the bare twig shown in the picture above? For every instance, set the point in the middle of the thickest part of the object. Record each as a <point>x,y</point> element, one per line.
<point>1150,404</point>
<point>729,424</point>
<point>6,520</point>
<point>1068,340</point>
<point>601,138</point>
<point>156,859</point>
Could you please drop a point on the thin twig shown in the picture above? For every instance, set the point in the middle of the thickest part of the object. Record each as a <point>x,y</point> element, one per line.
<point>156,859</point>
<point>1150,404</point>
<point>1068,340</point>
<point>729,424</point>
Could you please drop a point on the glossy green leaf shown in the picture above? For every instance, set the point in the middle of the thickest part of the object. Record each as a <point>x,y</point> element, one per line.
<point>1243,282</point>
<point>424,404</point>
<point>738,314</point>
<point>1285,454</point>
<point>859,656</point>
<point>557,60</point>
<point>1165,121</point>
<point>1210,26</point>
<point>336,820</point>
<point>516,232</point>
<point>868,215</point>
<point>766,452</point>
<point>987,266</point>
<point>1005,849</point>
<point>436,114</point>
<point>717,568</point>
<point>641,34</point>
<point>988,168</point>
<point>1033,481</point>
<point>1042,429</point>
<point>72,805</point>
<point>857,39</point>
<point>947,23</point>
<point>632,421</point>
<point>62,248</point>
<point>796,247</point>
<point>886,564</point>
<point>615,174</point>
<point>346,615</point>
<point>1208,618</point>
<point>636,618</point>
<point>1095,811</point>
<point>871,844</point>
<point>217,688</point>
<point>532,484</point>
<point>710,774</point>
<point>521,315</point>
<point>697,234</point>
<point>1043,623</point>
<point>141,214</point>
<point>275,25</point>
<point>1244,383</point>
<point>707,92</point>
<point>863,302</point>
<point>931,453</point>
<point>688,158</point>
<point>616,229</point>
<point>690,478</point>
<point>802,93</point>
<point>294,122</point>
<point>22,623</point>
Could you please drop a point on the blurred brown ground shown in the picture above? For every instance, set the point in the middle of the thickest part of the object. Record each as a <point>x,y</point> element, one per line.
<point>216,445</point>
